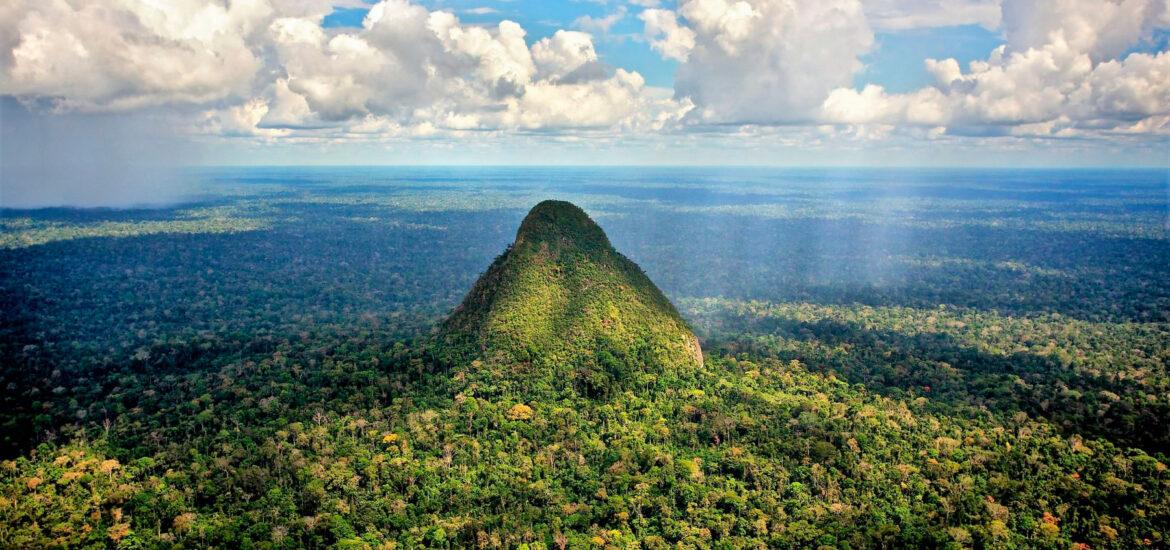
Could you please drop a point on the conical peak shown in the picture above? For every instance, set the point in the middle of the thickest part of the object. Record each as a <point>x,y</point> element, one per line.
<point>563,302</point>
<point>560,222</point>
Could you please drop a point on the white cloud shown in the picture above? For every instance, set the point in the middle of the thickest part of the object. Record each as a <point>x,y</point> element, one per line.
<point>1057,76</point>
<point>598,103</point>
<point>896,15</point>
<point>1103,29</point>
<point>313,8</point>
<point>563,52</point>
<point>600,25</point>
<point>766,61</point>
<point>408,67</point>
<point>666,36</point>
<point>91,54</point>
<point>266,69</point>
<point>771,61</point>
<point>287,109</point>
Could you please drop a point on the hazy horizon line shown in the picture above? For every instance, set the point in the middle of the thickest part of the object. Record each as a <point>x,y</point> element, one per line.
<point>712,166</point>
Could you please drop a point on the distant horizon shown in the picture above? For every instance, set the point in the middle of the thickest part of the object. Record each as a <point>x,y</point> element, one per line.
<point>120,94</point>
<point>711,166</point>
<point>210,183</point>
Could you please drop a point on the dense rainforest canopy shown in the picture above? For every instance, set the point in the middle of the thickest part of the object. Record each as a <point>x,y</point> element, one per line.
<point>978,361</point>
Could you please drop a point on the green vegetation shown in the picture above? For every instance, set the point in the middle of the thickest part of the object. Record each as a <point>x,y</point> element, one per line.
<point>567,305</point>
<point>1100,379</point>
<point>24,231</point>
<point>972,364</point>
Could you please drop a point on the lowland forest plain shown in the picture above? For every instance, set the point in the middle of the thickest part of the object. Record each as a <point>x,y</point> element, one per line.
<point>593,358</point>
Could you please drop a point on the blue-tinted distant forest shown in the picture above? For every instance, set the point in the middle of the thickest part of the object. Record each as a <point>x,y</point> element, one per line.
<point>928,358</point>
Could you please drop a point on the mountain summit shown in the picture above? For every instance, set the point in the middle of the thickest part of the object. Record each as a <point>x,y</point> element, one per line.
<point>563,301</point>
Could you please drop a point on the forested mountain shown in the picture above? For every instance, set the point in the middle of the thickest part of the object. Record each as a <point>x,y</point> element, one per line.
<point>303,366</point>
<point>566,305</point>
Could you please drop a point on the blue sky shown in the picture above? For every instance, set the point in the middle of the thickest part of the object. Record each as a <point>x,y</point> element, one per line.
<point>896,62</point>
<point>86,84</point>
<point>623,46</point>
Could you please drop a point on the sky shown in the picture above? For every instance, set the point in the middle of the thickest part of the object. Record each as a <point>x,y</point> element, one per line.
<point>93,92</point>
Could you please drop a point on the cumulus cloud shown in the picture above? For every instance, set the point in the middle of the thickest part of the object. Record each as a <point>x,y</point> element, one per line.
<point>410,66</point>
<point>270,65</point>
<point>764,61</point>
<point>563,53</point>
<point>666,36</point>
<point>92,54</point>
<point>1058,75</point>
<point>1103,29</point>
<point>267,69</point>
